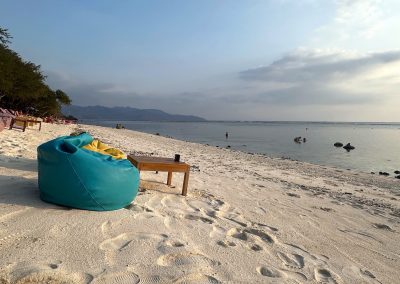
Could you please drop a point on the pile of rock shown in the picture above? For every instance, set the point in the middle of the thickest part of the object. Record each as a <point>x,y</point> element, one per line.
<point>387,174</point>
<point>348,146</point>
<point>299,139</point>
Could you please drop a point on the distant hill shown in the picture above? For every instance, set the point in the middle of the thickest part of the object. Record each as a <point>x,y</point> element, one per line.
<point>125,113</point>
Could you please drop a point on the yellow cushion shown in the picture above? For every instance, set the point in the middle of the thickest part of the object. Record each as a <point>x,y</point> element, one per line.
<point>97,146</point>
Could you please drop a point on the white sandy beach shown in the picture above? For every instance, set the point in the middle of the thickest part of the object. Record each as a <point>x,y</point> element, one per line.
<point>246,219</point>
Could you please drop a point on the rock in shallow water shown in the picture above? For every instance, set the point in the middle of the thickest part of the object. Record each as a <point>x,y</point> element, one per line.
<point>349,147</point>
<point>338,144</point>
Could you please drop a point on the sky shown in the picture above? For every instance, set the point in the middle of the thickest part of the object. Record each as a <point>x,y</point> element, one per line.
<point>310,60</point>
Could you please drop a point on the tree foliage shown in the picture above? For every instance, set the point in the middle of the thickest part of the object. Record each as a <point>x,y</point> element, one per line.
<point>22,84</point>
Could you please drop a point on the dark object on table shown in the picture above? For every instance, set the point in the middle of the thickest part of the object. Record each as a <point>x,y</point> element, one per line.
<point>177,158</point>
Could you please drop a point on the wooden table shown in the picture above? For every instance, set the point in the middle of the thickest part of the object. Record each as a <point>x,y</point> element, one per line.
<point>26,122</point>
<point>145,163</point>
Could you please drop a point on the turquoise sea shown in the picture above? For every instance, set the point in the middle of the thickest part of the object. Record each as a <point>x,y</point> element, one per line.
<point>377,145</point>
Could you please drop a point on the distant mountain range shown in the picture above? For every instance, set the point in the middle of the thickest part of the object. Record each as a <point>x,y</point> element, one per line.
<point>125,113</point>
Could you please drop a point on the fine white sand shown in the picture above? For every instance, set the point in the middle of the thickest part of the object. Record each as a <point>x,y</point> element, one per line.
<point>246,219</point>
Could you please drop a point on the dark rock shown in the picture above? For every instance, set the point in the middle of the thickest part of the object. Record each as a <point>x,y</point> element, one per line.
<point>338,144</point>
<point>372,173</point>
<point>228,146</point>
<point>158,134</point>
<point>349,147</point>
<point>383,173</point>
<point>397,172</point>
<point>398,177</point>
<point>297,139</point>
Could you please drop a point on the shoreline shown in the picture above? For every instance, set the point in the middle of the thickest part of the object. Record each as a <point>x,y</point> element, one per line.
<point>366,158</point>
<point>246,219</point>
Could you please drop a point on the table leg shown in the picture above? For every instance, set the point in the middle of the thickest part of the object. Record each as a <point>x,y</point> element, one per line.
<point>12,123</point>
<point>185,183</point>
<point>40,126</point>
<point>25,126</point>
<point>169,180</point>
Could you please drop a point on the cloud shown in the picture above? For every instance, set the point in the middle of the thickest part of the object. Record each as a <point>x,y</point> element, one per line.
<point>309,76</point>
<point>361,23</point>
<point>363,18</point>
<point>314,65</point>
<point>306,84</point>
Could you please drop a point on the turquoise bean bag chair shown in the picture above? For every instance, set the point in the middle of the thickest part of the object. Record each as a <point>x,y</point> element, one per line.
<point>79,178</point>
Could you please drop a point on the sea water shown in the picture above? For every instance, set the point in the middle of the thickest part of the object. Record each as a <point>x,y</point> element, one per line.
<point>377,145</point>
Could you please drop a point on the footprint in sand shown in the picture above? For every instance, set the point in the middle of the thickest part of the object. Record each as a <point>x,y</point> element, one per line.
<point>323,275</point>
<point>197,278</point>
<point>226,244</point>
<point>269,272</point>
<point>106,228</point>
<point>174,243</point>
<point>262,235</point>
<point>147,213</point>
<point>30,273</point>
<point>291,194</point>
<point>244,235</point>
<point>255,247</point>
<point>237,234</point>
<point>138,208</point>
<point>123,240</point>
<point>173,203</point>
<point>123,277</point>
<point>273,229</point>
<point>383,227</point>
<point>199,218</point>
<point>291,260</point>
<point>186,259</point>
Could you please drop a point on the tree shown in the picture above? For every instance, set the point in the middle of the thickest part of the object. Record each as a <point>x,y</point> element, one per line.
<point>4,37</point>
<point>22,84</point>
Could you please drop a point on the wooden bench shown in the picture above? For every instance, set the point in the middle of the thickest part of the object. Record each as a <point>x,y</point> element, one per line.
<point>25,123</point>
<point>145,163</point>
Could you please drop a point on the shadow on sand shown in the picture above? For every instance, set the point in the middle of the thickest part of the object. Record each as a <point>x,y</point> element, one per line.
<point>20,190</point>
<point>18,163</point>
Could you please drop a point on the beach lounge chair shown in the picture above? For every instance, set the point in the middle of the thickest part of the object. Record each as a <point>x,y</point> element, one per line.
<point>24,121</point>
<point>5,118</point>
<point>72,176</point>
